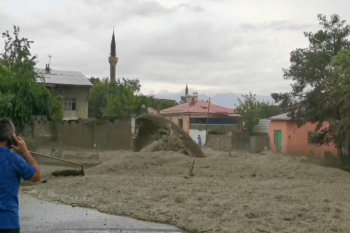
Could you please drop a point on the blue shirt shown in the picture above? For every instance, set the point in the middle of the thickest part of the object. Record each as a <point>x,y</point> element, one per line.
<point>12,168</point>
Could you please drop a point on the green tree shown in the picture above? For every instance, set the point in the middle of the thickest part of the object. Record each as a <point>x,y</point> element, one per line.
<point>18,78</point>
<point>98,98</point>
<point>249,111</point>
<point>121,98</point>
<point>94,80</point>
<point>158,104</point>
<point>267,110</point>
<point>5,98</point>
<point>121,101</point>
<point>108,99</point>
<point>312,77</point>
<point>132,84</point>
<point>338,95</point>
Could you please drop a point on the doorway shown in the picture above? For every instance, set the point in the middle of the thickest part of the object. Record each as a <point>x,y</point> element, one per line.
<point>278,140</point>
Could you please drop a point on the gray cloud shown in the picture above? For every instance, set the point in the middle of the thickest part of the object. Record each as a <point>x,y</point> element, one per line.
<point>153,7</point>
<point>277,26</point>
<point>190,7</point>
<point>218,46</point>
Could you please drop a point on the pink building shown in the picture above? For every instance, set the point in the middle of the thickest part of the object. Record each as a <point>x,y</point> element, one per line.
<point>287,138</point>
<point>192,118</point>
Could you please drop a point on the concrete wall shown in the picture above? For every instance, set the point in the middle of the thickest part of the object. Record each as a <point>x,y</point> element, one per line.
<point>238,141</point>
<point>258,143</point>
<point>102,134</point>
<point>219,142</point>
<point>81,94</point>
<point>194,135</point>
<point>295,140</point>
<point>241,141</point>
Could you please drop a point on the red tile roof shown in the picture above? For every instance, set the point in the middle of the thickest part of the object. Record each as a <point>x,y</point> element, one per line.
<point>198,107</point>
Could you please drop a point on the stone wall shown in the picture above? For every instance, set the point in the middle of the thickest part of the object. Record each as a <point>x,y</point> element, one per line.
<point>258,143</point>
<point>109,134</point>
<point>219,142</point>
<point>238,141</point>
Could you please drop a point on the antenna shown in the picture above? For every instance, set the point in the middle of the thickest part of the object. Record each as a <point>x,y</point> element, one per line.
<point>50,60</point>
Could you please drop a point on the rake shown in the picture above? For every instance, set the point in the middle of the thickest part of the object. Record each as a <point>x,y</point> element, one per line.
<point>69,172</point>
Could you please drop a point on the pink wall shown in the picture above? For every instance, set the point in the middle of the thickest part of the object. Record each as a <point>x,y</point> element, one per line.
<point>278,125</point>
<point>295,140</point>
<point>185,121</point>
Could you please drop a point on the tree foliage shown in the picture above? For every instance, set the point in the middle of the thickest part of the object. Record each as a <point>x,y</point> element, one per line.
<point>108,99</point>
<point>315,95</point>
<point>251,111</point>
<point>157,104</point>
<point>248,109</point>
<point>121,98</point>
<point>21,97</point>
<point>98,97</point>
<point>5,98</point>
<point>267,110</point>
<point>338,94</point>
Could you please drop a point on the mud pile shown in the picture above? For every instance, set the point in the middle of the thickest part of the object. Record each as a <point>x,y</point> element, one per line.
<point>156,133</point>
<point>243,192</point>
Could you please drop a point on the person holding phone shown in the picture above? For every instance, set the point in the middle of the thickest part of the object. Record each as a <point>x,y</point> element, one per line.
<point>13,167</point>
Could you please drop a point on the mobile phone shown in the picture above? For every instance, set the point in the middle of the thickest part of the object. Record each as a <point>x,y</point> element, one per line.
<point>10,139</point>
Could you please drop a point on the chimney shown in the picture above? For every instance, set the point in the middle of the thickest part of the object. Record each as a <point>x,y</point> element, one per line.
<point>47,69</point>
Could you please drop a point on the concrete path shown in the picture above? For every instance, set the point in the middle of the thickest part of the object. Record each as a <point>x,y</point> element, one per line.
<point>42,217</point>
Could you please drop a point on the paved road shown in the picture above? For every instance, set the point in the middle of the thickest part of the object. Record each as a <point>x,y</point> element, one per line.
<point>43,217</point>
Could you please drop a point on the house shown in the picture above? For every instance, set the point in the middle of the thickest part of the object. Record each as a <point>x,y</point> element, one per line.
<point>73,86</point>
<point>192,118</point>
<point>286,137</point>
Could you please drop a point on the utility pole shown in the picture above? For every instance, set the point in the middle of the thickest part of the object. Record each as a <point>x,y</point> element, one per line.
<point>108,82</point>
<point>206,127</point>
<point>50,60</point>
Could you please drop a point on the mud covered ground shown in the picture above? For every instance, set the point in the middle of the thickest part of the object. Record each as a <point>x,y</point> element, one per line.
<point>237,193</point>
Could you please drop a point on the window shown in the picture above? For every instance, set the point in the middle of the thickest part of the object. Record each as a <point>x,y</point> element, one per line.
<point>70,104</point>
<point>312,137</point>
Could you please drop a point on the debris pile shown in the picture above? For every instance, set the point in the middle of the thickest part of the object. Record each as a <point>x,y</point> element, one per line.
<point>156,133</point>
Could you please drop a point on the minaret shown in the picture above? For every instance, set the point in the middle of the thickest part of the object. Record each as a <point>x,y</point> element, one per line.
<point>186,90</point>
<point>113,60</point>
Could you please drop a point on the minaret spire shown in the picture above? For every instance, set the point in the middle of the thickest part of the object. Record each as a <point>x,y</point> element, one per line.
<point>186,90</point>
<point>113,60</point>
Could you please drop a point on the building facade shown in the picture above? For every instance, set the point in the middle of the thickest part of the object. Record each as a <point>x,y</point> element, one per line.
<point>287,138</point>
<point>74,88</point>
<point>196,116</point>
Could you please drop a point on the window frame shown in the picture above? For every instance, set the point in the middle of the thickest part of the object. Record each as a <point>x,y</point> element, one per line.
<point>70,104</point>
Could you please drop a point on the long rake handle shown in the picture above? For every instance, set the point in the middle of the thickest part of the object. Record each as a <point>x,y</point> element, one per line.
<point>63,160</point>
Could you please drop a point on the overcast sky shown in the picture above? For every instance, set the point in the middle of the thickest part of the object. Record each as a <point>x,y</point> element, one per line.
<point>213,45</point>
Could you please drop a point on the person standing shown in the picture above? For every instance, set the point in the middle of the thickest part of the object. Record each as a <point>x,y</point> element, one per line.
<point>199,141</point>
<point>13,167</point>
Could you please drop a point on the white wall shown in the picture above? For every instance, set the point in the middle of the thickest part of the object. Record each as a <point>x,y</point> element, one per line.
<point>194,135</point>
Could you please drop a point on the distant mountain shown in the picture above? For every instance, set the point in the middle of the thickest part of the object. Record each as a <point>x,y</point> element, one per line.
<point>223,99</point>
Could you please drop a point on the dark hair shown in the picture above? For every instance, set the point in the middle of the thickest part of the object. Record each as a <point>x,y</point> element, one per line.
<point>6,126</point>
